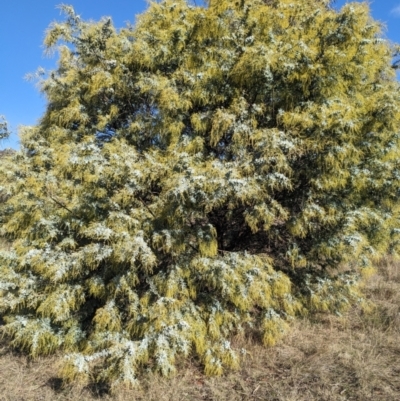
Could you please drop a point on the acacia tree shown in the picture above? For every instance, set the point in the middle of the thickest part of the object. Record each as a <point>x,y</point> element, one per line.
<point>203,173</point>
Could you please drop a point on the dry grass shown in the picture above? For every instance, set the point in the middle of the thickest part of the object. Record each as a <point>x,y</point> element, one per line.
<point>326,359</point>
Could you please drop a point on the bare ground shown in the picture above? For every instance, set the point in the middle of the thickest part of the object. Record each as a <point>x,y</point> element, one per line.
<point>323,358</point>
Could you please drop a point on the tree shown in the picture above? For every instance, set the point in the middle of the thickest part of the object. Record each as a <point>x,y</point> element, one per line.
<point>4,133</point>
<point>205,173</point>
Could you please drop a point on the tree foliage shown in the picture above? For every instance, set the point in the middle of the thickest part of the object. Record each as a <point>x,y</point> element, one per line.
<point>207,172</point>
<point>4,133</point>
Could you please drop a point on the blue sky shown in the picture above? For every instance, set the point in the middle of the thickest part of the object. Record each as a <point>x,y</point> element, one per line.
<point>22,27</point>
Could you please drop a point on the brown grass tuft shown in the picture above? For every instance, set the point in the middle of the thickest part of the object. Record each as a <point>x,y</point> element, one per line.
<point>324,358</point>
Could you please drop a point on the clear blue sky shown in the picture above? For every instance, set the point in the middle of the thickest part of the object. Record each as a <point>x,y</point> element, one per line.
<point>22,26</point>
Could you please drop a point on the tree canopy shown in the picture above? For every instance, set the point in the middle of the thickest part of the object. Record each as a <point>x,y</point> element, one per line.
<point>205,173</point>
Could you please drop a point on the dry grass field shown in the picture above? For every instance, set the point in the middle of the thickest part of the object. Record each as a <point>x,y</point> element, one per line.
<point>325,358</point>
